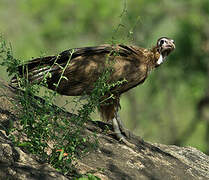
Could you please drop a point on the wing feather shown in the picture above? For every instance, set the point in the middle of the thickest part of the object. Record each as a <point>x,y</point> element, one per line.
<point>84,66</point>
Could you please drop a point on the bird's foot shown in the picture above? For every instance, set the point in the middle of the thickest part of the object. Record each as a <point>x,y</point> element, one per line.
<point>125,132</point>
<point>126,142</point>
<point>121,133</point>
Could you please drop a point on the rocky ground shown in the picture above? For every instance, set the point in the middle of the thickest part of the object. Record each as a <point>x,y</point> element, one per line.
<point>112,160</point>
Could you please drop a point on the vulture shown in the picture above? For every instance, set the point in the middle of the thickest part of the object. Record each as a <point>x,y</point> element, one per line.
<point>82,67</point>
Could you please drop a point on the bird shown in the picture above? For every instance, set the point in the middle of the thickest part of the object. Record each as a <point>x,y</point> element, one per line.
<point>82,67</point>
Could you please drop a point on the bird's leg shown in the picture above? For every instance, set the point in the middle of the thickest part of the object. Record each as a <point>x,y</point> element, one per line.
<point>119,129</point>
<point>116,128</point>
<point>122,127</point>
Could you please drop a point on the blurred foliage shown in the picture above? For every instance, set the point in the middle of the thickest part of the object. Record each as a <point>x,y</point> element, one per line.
<point>161,109</point>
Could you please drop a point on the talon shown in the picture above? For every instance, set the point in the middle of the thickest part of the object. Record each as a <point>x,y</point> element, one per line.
<point>127,143</point>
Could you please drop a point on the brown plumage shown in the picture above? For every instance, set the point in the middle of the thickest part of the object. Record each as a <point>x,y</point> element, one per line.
<point>83,67</point>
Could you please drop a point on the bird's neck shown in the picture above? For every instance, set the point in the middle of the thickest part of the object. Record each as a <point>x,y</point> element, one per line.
<point>155,58</point>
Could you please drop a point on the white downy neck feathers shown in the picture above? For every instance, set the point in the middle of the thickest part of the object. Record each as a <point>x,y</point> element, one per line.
<point>160,60</point>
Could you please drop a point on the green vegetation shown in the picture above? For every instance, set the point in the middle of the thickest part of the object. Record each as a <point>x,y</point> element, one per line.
<point>166,105</point>
<point>41,131</point>
<point>89,177</point>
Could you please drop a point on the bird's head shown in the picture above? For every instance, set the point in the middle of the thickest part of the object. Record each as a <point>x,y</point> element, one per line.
<point>164,46</point>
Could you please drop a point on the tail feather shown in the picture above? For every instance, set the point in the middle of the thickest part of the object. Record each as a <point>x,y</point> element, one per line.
<point>38,75</point>
<point>36,70</point>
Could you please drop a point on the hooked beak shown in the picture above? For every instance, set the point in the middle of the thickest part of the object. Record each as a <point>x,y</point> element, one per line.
<point>170,45</point>
<point>168,48</point>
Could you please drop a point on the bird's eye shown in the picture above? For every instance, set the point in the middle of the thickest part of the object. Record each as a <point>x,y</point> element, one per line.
<point>162,42</point>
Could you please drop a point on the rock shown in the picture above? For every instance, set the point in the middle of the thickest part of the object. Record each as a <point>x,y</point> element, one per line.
<point>16,164</point>
<point>111,160</point>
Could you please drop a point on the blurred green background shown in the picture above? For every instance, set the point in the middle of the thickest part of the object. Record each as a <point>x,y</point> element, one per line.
<point>172,106</point>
